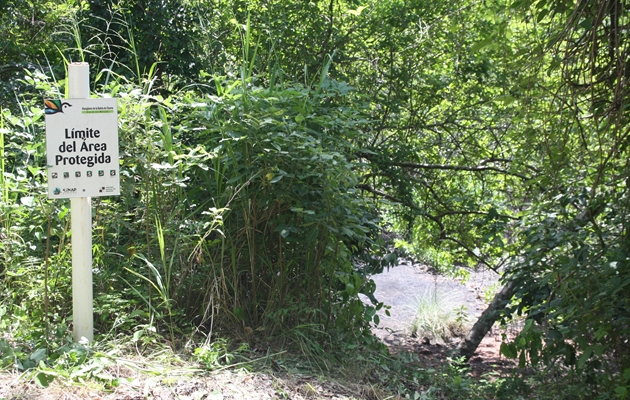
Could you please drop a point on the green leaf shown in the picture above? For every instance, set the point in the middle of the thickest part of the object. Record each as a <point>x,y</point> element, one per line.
<point>587,23</point>
<point>542,14</point>
<point>137,335</point>
<point>522,359</point>
<point>505,99</point>
<point>347,231</point>
<point>44,379</point>
<point>584,357</point>
<point>356,12</point>
<point>276,178</point>
<point>38,355</point>
<point>480,45</point>
<point>350,289</point>
<point>598,349</point>
<point>554,334</point>
<point>508,350</point>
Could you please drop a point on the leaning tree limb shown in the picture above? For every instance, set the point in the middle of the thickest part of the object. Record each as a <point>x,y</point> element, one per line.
<point>468,346</point>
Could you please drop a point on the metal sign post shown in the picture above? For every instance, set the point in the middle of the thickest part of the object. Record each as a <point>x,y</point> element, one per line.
<point>82,155</point>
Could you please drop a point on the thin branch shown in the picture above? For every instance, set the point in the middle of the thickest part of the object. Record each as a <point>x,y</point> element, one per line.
<point>471,253</point>
<point>447,167</point>
<point>465,212</point>
<point>394,199</point>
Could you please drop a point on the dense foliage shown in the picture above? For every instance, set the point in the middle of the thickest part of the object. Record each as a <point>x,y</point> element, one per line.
<point>573,271</point>
<point>265,145</point>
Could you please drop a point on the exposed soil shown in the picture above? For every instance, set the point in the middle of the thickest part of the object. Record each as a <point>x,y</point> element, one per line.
<point>402,287</point>
<point>227,385</point>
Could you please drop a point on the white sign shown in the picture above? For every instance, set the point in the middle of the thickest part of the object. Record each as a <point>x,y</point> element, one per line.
<point>82,148</point>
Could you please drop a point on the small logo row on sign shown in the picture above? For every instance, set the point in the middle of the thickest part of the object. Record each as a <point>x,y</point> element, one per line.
<point>77,174</point>
<point>103,189</point>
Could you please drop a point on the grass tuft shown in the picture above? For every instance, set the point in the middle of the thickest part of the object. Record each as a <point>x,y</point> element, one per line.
<point>439,319</point>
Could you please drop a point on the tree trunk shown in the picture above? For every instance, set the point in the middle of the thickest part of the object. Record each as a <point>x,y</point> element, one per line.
<point>470,343</point>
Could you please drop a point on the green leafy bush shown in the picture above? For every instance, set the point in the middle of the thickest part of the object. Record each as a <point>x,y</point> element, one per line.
<point>282,164</point>
<point>237,211</point>
<point>573,286</point>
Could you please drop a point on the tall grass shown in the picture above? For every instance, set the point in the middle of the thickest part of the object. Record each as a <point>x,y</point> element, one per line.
<point>5,223</point>
<point>3,184</point>
<point>236,212</point>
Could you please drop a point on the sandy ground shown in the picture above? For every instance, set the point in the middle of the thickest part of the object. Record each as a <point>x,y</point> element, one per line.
<point>402,288</point>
